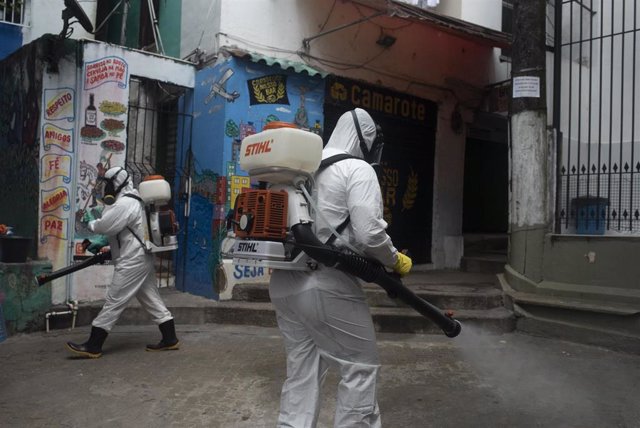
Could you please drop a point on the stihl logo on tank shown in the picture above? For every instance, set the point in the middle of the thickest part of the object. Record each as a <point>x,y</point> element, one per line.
<point>258,148</point>
<point>249,247</point>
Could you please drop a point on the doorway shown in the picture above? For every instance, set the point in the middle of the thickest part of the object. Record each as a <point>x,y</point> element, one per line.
<point>486,180</point>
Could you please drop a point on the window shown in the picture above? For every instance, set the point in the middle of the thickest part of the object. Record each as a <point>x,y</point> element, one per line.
<point>12,11</point>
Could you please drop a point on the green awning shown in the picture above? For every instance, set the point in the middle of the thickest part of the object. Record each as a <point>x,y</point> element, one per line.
<point>286,64</point>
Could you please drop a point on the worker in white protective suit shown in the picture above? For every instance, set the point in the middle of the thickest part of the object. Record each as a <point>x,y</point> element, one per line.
<point>322,314</point>
<point>123,222</point>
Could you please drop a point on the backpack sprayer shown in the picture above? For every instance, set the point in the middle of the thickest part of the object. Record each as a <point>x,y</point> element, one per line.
<point>273,227</point>
<point>161,227</point>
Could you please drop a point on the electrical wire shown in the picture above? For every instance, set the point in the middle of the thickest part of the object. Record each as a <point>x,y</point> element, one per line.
<point>206,21</point>
<point>328,16</point>
<point>362,15</point>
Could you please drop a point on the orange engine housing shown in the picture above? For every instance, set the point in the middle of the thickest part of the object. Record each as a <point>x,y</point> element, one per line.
<point>268,212</point>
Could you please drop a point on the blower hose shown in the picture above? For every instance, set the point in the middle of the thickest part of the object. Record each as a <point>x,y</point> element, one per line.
<point>98,258</point>
<point>372,271</point>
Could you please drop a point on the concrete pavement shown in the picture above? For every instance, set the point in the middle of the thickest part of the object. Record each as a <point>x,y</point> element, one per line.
<point>230,376</point>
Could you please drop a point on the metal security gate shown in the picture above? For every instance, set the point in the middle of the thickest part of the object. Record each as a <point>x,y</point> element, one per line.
<point>156,136</point>
<point>596,116</point>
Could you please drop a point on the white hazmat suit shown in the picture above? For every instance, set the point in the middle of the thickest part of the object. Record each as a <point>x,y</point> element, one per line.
<point>134,273</point>
<point>323,315</point>
<point>123,221</point>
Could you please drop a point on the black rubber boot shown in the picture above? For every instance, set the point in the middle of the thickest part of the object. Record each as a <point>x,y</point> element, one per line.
<point>169,340</point>
<point>92,348</point>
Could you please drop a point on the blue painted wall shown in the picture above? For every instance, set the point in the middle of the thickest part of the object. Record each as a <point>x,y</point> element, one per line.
<point>233,98</point>
<point>10,39</point>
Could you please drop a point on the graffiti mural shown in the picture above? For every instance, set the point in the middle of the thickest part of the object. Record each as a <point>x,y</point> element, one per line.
<point>235,98</point>
<point>57,149</point>
<point>103,122</point>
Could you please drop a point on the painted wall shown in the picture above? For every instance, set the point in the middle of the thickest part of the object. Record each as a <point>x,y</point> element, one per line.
<point>11,37</point>
<point>103,97</point>
<point>487,13</point>
<point>234,98</point>
<point>52,149</point>
<point>59,145</point>
<point>170,22</point>
<point>24,303</point>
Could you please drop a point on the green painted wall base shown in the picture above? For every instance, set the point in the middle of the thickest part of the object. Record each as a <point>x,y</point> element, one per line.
<point>588,289</point>
<point>25,304</point>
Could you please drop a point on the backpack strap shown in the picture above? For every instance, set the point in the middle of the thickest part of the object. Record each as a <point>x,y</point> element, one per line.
<point>335,158</point>
<point>324,164</point>
<point>137,198</point>
<point>132,196</point>
<point>339,229</point>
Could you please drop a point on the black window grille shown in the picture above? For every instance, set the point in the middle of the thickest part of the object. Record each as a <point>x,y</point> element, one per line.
<point>596,117</point>
<point>12,11</point>
<point>157,132</point>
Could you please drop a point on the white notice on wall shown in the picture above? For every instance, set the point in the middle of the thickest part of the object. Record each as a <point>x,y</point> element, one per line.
<point>526,86</point>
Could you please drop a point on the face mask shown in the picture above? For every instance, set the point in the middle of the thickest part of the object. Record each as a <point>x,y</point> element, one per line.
<point>374,154</point>
<point>106,190</point>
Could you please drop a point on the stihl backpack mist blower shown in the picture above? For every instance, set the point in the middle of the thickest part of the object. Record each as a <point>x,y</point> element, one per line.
<point>273,227</point>
<point>155,192</point>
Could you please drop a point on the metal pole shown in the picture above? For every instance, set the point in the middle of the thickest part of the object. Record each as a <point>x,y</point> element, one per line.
<point>557,87</point>
<point>123,27</point>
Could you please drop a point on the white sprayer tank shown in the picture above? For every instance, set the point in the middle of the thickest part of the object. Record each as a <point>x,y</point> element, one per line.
<point>154,189</point>
<point>276,155</point>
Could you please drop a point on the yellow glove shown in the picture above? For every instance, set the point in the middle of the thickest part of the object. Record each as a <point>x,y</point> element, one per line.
<point>403,264</point>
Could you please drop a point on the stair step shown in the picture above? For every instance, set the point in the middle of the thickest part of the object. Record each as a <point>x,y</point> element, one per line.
<point>399,320</point>
<point>486,242</point>
<point>189,309</point>
<point>443,296</point>
<point>388,320</point>
<point>485,263</point>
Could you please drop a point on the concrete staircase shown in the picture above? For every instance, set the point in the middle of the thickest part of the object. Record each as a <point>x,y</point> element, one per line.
<point>473,297</point>
<point>485,253</point>
<point>473,294</point>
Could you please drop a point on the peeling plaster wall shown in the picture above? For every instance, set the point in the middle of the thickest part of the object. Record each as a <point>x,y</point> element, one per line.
<point>20,100</point>
<point>448,191</point>
<point>529,197</point>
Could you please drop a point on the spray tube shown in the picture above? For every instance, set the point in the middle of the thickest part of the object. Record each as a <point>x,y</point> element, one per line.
<point>98,258</point>
<point>372,271</point>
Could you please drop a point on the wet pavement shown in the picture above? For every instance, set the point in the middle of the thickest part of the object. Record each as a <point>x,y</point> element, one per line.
<point>230,376</point>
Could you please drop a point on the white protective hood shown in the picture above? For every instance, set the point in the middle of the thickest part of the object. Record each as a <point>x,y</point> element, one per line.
<point>345,136</point>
